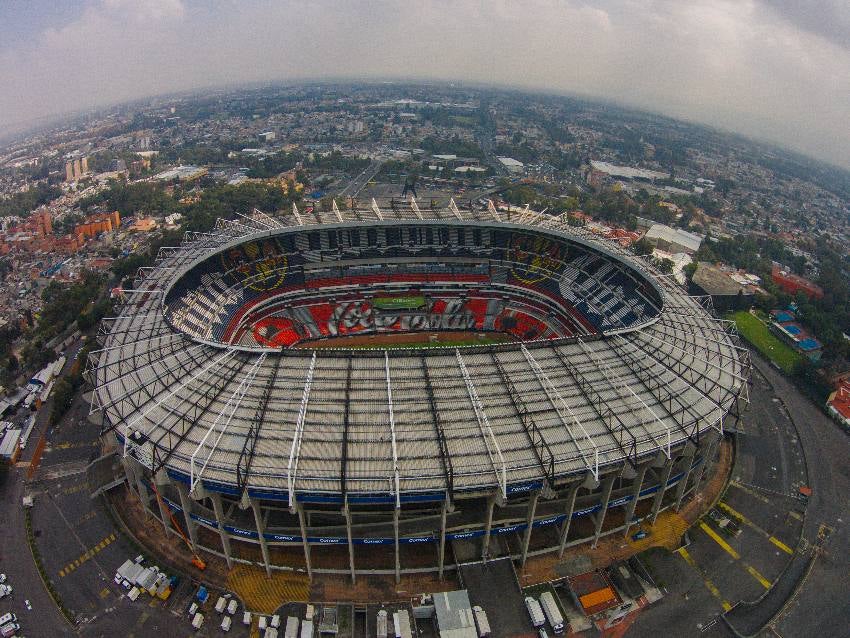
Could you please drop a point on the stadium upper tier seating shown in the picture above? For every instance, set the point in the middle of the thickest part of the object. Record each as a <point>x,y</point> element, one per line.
<point>299,286</point>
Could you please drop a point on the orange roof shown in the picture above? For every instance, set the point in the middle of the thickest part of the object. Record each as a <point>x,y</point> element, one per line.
<point>598,600</point>
<point>840,399</point>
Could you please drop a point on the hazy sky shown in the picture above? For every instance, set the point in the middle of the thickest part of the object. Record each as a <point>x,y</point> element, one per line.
<point>773,69</point>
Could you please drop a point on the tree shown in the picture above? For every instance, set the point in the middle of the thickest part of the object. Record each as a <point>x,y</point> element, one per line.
<point>665,265</point>
<point>642,247</point>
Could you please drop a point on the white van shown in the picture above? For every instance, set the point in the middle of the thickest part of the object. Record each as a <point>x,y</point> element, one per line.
<point>197,621</point>
<point>225,623</point>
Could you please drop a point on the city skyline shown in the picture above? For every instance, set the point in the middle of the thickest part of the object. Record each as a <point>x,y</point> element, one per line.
<point>768,70</point>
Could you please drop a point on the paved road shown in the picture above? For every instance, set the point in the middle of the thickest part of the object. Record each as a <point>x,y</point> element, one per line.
<point>80,550</point>
<point>357,184</point>
<point>820,606</point>
<point>716,569</point>
<point>17,563</point>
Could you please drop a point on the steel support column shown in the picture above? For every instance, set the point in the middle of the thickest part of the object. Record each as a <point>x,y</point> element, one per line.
<point>261,528</point>
<point>443,537</point>
<point>397,561</point>
<point>570,508</point>
<point>607,486</point>
<point>488,526</point>
<point>529,520</point>
<point>636,488</point>
<point>347,513</point>
<point>186,504</point>
<point>215,497</point>
<point>303,526</point>
<point>662,488</point>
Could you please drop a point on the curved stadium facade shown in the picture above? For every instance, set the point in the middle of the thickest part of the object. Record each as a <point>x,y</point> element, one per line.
<point>401,390</point>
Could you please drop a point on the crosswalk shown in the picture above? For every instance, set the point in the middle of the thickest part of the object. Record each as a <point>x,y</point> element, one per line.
<point>88,555</point>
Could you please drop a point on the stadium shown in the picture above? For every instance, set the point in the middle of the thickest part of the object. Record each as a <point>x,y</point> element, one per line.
<point>400,390</point>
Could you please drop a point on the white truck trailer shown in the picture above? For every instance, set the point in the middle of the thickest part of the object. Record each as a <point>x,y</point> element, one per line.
<point>481,622</point>
<point>553,613</point>
<point>291,630</point>
<point>535,611</point>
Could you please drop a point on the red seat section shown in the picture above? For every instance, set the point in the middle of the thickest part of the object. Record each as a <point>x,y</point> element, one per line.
<point>276,332</point>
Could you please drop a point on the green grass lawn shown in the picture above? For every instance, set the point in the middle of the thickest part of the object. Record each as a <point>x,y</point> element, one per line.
<point>758,334</point>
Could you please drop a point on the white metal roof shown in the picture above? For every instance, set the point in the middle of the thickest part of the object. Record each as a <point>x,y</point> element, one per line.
<point>463,419</point>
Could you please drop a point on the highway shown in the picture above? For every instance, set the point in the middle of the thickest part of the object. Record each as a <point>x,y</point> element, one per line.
<point>358,183</point>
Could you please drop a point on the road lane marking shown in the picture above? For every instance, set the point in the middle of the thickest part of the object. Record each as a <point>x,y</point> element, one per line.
<point>781,545</point>
<point>708,584</point>
<point>716,537</point>
<point>755,574</point>
<point>87,555</point>
<point>734,513</point>
<point>752,493</point>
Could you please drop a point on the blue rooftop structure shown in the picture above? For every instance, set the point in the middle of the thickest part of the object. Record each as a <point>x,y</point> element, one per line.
<point>809,344</point>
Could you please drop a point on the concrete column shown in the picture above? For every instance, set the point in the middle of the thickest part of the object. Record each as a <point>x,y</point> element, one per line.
<point>303,526</point>
<point>568,510</point>
<point>709,450</point>
<point>164,515</point>
<point>683,482</point>
<point>607,486</point>
<point>443,537</point>
<point>397,561</point>
<point>347,515</point>
<point>186,504</point>
<point>709,458</point>
<point>132,483</point>
<point>636,488</point>
<point>488,526</point>
<point>145,495</point>
<point>261,528</point>
<point>215,497</point>
<point>529,519</point>
<point>662,488</point>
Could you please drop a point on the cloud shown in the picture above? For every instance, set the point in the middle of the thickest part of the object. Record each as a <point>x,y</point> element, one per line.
<point>760,67</point>
<point>829,19</point>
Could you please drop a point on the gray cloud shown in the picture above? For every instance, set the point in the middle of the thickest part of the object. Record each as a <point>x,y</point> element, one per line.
<point>826,18</point>
<point>740,65</point>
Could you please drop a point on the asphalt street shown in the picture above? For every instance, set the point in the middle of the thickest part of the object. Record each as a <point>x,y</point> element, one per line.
<point>746,547</point>
<point>820,607</point>
<point>79,546</point>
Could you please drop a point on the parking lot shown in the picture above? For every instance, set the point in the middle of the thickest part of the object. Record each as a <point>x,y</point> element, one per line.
<point>737,551</point>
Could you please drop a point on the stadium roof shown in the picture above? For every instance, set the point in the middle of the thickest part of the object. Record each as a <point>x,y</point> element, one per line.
<point>355,423</point>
